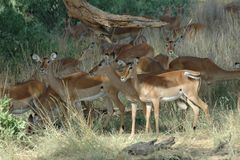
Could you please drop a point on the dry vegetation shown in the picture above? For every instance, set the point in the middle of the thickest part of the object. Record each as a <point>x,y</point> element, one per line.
<point>219,140</point>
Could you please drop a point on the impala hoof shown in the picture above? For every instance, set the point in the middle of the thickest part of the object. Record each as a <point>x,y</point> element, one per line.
<point>194,128</point>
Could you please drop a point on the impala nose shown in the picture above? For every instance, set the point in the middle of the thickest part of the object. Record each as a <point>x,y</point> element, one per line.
<point>170,52</point>
<point>122,79</point>
<point>43,71</point>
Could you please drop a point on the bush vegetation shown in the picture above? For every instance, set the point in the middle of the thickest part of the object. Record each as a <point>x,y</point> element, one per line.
<point>37,27</point>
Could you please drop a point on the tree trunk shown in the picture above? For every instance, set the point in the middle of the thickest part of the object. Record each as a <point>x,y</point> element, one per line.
<point>107,23</point>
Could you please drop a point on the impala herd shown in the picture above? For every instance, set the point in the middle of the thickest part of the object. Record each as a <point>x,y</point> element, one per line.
<point>132,69</point>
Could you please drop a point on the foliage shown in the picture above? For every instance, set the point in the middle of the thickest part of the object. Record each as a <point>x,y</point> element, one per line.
<point>135,7</point>
<point>28,24</point>
<point>18,32</point>
<point>10,126</point>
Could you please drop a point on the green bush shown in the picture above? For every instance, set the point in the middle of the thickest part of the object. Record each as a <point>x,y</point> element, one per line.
<point>10,126</point>
<point>135,7</point>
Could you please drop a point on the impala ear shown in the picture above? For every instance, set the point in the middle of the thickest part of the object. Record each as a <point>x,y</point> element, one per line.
<point>237,65</point>
<point>53,56</point>
<point>136,60</point>
<point>121,63</point>
<point>130,66</point>
<point>106,57</point>
<point>167,39</point>
<point>179,38</point>
<point>35,57</point>
<point>92,44</point>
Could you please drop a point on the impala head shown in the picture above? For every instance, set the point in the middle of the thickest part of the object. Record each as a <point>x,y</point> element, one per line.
<point>105,61</point>
<point>34,120</point>
<point>128,72</point>
<point>237,65</point>
<point>96,68</point>
<point>44,62</point>
<point>171,44</point>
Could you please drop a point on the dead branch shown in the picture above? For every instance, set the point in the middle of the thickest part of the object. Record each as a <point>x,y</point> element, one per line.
<point>106,22</point>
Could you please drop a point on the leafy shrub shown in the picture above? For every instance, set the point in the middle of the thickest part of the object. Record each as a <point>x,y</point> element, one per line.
<point>135,7</point>
<point>10,126</point>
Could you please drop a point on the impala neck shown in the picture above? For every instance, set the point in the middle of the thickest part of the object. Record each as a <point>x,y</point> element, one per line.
<point>56,84</point>
<point>134,79</point>
<point>114,78</point>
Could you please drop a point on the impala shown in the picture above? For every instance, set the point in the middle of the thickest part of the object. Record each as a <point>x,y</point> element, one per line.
<point>158,64</point>
<point>146,65</point>
<point>237,66</point>
<point>115,49</point>
<point>22,95</point>
<point>127,52</point>
<point>163,60</point>
<point>139,40</point>
<point>47,104</point>
<point>122,34</point>
<point>76,31</point>
<point>210,72</point>
<point>167,86</point>
<point>66,65</point>
<point>189,31</point>
<point>141,50</point>
<point>170,45</point>
<point>174,21</point>
<point>81,86</point>
<point>232,7</point>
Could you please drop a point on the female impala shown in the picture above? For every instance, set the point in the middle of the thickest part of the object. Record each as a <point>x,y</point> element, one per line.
<point>167,86</point>
<point>127,52</point>
<point>22,95</point>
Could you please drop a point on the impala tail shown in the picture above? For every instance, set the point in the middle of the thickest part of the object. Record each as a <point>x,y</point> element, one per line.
<point>192,75</point>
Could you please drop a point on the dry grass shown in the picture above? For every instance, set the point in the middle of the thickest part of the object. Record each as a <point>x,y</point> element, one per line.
<point>80,142</point>
<point>218,42</point>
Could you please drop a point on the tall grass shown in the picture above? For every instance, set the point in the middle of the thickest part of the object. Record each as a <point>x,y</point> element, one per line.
<point>218,42</point>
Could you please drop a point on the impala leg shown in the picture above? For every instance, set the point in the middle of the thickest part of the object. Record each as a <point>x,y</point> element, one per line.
<point>121,107</point>
<point>89,117</point>
<point>147,112</point>
<point>202,105</point>
<point>195,111</point>
<point>109,110</point>
<point>148,115</point>
<point>209,90</point>
<point>197,101</point>
<point>238,103</point>
<point>182,104</point>
<point>78,106</point>
<point>156,113</point>
<point>134,112</point>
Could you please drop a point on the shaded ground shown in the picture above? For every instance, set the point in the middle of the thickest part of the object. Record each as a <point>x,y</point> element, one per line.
<point>198,148</point>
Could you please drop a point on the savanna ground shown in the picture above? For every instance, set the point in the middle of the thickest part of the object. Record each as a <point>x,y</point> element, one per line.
<point>217,140</point>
